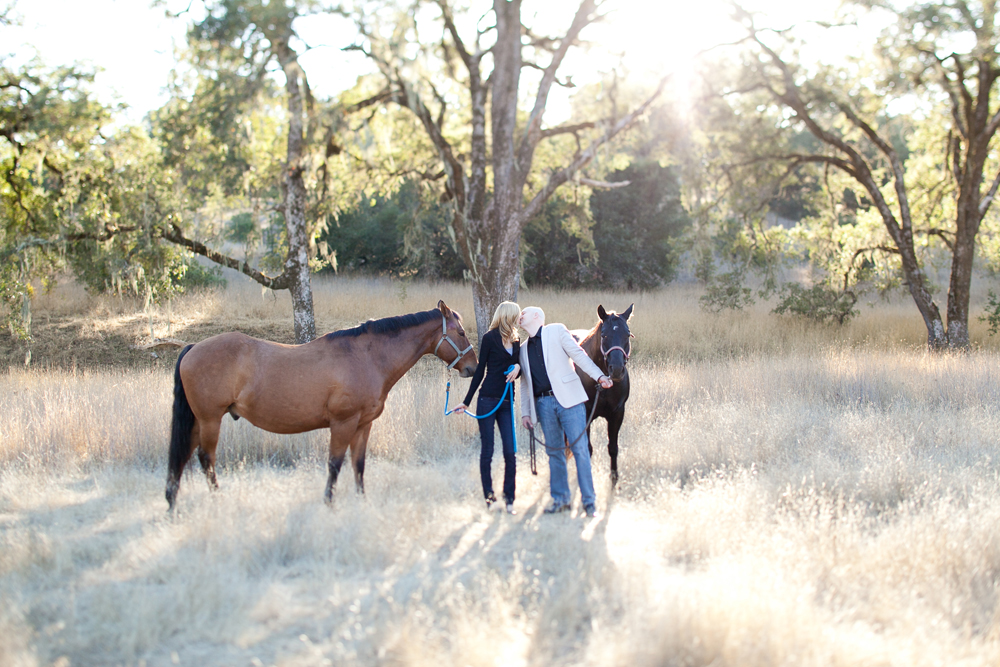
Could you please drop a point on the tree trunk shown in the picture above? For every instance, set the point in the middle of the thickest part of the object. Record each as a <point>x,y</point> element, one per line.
<point>499,283</point>
<point>936,336</point>
<point>489,214</point>
<point>960,285</point>
<point>297,262</point>
<point>915,279</point>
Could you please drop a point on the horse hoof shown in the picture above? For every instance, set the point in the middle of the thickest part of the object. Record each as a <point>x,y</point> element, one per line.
<point>614,478</point>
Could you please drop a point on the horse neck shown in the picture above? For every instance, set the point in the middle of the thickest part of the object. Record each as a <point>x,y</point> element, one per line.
<point>405,349</point>
<point>591,344</point>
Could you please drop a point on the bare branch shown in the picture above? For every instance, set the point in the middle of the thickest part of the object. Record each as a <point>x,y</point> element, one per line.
<point>567,129</point>
<point>566,83</point>
<point>541,42</point>
<point>449,22</point>
<point>946,83</point>
<point>581,160</point>
<point>608,185</point>
<point>940,233</point>
<point>108,233</point>
<point>174,234</point>
<point>792,98</point>
<point>383,95</point>
<point>984,204</point>
<point>532,134</point>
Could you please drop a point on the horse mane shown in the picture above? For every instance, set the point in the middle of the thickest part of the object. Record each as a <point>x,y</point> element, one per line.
<point>589,337</point>
<point>387,325</point>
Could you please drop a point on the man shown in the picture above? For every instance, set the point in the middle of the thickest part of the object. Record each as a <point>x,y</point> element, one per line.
<point>548,376</point>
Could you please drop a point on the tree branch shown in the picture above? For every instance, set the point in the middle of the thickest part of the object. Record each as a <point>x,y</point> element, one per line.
<point>174,234</point>
<point>449,23</point>
<point>532,133</point>
<point>568,83</point>
<point>940,233</point>
<point>383,95</point>
<point>608,185</point>
<point>984,204</point>
<point>567,129</point>
<point>583,159</point>
<point>792,98</point>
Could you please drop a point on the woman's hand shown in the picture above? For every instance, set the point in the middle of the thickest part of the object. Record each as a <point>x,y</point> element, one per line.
<point>461,407</point>
<point>514,373</point>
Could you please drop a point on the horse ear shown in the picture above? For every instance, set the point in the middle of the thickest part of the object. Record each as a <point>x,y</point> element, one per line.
<point>628,312</point>
<point>443,307</point>
<point>603,314</point>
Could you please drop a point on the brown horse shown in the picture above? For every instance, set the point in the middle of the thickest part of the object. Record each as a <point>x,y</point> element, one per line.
<point>339,381</point>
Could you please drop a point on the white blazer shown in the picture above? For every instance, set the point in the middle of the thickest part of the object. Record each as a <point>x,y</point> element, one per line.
<point>560,351</point>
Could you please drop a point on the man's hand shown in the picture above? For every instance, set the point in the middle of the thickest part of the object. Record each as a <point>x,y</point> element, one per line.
<point>606,382</point>
<point>514,373</point>
<point>526,420</point>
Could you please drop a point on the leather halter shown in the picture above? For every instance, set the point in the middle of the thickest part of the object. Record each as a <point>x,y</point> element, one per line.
<point>616,347</point>
<point>445,337</point>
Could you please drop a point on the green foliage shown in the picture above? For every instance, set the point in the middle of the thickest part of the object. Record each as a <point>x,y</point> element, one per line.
<point>74,198</point>
<point>992,314</point>
<point>727,292</point>
<point>241,228</point>
<point>819,303</point>
<point>746,249</point>
<point>637,228</point>
<point>48,130</point>
<point>397,235</point>
<point>557,248</point>
<point>704,269</point>
<point>196,275</point>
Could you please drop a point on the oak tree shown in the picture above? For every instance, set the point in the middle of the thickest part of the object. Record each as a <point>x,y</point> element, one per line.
<point>943,54</point>
<point>464,86</point>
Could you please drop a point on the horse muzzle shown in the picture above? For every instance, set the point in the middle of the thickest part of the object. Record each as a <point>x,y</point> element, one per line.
<point>468,371</point>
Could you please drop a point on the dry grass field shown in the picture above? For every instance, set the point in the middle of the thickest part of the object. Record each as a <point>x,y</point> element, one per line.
<point>790,495</point>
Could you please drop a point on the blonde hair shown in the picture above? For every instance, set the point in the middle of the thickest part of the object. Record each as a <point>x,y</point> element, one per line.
<point>505,319</point>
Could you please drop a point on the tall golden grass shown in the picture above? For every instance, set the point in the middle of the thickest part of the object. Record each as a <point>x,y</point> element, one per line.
<point>790,495</point>
<point>669,323</point>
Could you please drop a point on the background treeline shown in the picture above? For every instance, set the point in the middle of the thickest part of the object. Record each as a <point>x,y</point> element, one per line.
<point>810,185</point>
<point>627,238</point>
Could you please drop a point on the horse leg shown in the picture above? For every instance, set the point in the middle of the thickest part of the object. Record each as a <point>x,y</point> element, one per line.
<point>590,443</point>
<point>614,425</point>
<point>209,432</point>
<point>340,438</point>
<point>359,445</point>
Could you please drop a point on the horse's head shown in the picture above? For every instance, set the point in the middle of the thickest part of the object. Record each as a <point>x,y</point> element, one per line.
<point>459,354</point>
<point>616,345</point>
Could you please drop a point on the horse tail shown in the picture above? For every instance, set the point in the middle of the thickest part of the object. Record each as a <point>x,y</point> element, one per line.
<point>181,426</point>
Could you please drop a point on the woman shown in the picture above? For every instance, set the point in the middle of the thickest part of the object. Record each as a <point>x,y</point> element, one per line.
<point>499,351</point>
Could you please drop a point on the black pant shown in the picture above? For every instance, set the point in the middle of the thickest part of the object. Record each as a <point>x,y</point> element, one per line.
<point>503,421</point>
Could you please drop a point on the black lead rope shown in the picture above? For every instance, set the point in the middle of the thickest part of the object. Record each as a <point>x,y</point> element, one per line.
<point>531,432</point>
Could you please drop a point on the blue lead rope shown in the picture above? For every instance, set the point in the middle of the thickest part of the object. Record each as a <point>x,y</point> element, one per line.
<point>506,389</point>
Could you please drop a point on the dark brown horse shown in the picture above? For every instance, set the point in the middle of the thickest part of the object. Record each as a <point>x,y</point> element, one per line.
<point>609,345</point>
<point>339,381</point>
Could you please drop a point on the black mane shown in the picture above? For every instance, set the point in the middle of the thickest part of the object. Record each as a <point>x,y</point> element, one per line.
<point>387,324</point>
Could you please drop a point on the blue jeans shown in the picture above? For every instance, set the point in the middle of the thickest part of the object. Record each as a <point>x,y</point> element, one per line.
<point>486,433</point>
<point>558,422</point>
